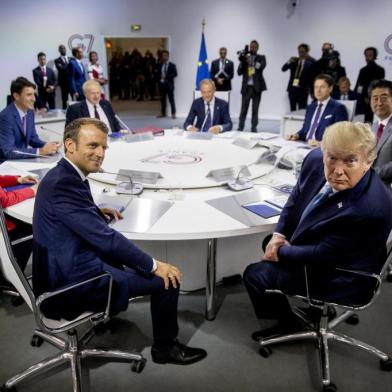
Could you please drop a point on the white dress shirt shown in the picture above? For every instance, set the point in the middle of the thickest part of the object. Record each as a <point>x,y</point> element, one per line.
<point>101,113</point>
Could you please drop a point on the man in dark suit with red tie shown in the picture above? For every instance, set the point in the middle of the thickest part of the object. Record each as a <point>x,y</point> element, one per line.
<point>76,74</point>
<point>338,216</point>
<point>61,64</point>
<point>18,136</point>
<point>73,242</point>
<point>222,71</point>
<point>94,107</point>
<point>166,72</point>
<point>45,80</point>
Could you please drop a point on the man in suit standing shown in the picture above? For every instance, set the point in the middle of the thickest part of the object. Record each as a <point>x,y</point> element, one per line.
<point>73,242</point>
<point>300,77</point>
<point>222,71</point>
<point>380,92</point>
<point>211,113</point>
<point>61,64</point>
<point>253,84</point>
<point>166,72</point>
<point>339,215</point>
<point>18,136</point>
<point>321,113</point>
<point>94,106</point>
<point>45,80</point>
<point>371,71</point>
<point>76,74</point>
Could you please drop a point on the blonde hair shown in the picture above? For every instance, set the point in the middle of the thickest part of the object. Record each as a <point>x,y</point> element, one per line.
<point>207,81</point>
<point>90,83</point>
<point>346,136</point>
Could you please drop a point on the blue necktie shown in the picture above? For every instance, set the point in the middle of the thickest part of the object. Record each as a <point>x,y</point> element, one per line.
<point>208,122</point>
<point>315,123</point>
<point>317,200</point>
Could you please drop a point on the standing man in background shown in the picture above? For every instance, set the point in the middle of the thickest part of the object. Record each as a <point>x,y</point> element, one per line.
<point>300,77</point>
<point>253,84</point>
<point>76,74</point>
<point>166,72</point>
<point>45,80</point>
<point>61,64</point>
<point>222,71</point>
<point>371,71</point>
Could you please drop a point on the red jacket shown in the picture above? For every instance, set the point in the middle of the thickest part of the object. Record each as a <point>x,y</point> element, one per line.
<point>10,198</point>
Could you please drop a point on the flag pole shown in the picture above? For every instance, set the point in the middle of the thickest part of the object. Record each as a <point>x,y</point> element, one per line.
<point>203,24</point>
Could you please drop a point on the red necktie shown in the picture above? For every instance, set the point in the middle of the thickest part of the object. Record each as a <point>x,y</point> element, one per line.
<point>43,69</point>
<point>96,114</point>
<point>379,132</point>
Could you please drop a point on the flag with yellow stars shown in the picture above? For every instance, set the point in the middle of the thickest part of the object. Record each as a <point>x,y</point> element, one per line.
<point>202,65</point>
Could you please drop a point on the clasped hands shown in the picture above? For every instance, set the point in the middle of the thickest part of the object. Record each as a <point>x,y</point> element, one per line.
<point>271,251</point>
<point>215,129</point>
<point>169,273</point>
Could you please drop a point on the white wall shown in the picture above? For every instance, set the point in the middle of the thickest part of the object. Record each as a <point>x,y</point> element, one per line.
<point>27,27</point>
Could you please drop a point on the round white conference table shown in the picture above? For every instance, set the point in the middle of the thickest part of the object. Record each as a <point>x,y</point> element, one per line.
<point>185,209</point>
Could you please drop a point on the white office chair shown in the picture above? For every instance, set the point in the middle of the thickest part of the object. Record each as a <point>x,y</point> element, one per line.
<point>323,330</point>
<point>350,106</point>
<point>72,348</point>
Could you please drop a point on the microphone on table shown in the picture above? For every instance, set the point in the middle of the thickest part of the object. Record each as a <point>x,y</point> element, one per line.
<point>128,188</point>
<point>122,123</point>
<point>50,130</point>
<point>240,184</point>
<point>31,155</point>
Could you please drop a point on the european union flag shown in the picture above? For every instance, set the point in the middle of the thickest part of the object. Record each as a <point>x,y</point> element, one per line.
<point>202,65</point>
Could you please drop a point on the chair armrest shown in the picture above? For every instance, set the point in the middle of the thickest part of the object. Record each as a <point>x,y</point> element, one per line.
<point>95,318</point>
<point>22,239</point>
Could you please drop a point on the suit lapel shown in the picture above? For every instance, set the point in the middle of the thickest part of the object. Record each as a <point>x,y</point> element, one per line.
<point>85,111</point>
<point>18,121</point>
<point>325,113</point>
<point>386,134</point>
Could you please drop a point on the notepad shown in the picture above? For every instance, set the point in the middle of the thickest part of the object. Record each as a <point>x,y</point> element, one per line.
<point>118,207</point>
<point>263,210</point>
<point>115,135</point>
<point>16,187</point>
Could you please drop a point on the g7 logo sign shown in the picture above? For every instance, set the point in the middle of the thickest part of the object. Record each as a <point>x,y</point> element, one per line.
<point>388,44</point>
<point>81,41</point>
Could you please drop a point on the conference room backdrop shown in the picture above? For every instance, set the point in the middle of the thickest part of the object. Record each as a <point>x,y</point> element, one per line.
<point>27,27</point>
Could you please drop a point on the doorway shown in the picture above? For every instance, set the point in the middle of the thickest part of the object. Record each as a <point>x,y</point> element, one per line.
<point>131,64</point>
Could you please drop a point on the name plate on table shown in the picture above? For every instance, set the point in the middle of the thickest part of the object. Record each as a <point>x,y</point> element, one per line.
<point>228,173</point>
<point>264,136</point>
<point>198,135</point>
<point>245,143</point>
<point>139,137</point>
<point>138,175</point>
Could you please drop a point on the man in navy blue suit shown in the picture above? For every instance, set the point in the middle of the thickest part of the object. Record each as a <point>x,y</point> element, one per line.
<point>211,113</point>
<point>338,215</point>
<point>45,80</point>
<point>222,71</point>
<point>94,107</point>
<point>73,242</point>
<point>76,74</point>
<point>18,136</point>
<point>321,113</point>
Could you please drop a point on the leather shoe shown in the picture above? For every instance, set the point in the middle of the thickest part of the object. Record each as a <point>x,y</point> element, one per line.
<point>178,354</point>
<point>174,116</point>
<point>161,116</point>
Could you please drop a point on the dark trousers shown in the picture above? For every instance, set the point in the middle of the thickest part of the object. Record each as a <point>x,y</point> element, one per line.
<point>166,92</point>
<point>298,99</point>
<point>47,98</point>
<point>368,112</point>
<point>64,95</point>
<point>163,305</point>
<point>250,94</point>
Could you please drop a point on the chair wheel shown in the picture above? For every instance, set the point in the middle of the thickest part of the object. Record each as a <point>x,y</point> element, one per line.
<point>330,388</point>
<point>265,351</point>
<point>138,366</point>
<point>3,388</point>
<point>353,319</point>
<point>331,312</point>
<point>17,301</point>
<point>386,365</point>
<point>36,341</point>
<point>389,277</point>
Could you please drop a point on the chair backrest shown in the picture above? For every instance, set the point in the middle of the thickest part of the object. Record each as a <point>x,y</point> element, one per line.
<point>350,106</point>
<point>225,95</point>
<point>10,268</point>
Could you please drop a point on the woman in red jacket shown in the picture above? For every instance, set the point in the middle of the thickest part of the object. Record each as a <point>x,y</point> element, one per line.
<point>17,229</point>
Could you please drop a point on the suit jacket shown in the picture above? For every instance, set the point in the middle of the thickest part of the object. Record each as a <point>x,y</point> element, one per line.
<point>305,78</point>
<point>258,79</point>
<point>73,242</point>
<point>221,114</point>
<point>12,136</point>
<point>383,162</point>
<point>228,69</point>
<point>348,230</point>
<point>171,73</point>
<point>352,96</point>
<point>80,109</point>
<point>61,67</point>
<point>367,74</point>
<point>334,112</point>
<point>76,77</point>
<point>39,78</point>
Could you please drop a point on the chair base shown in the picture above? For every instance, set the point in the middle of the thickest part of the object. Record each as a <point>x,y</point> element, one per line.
<point>323,333</point>
<point>73,353</point>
